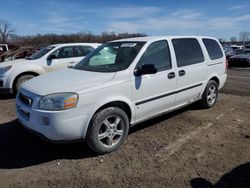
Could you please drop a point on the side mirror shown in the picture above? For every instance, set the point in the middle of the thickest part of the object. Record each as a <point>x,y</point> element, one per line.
<point>50,57</point>
<point>145,69</point>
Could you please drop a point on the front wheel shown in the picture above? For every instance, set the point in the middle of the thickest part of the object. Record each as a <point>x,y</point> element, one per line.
<point>210,95</point>
<point>21,80</point>
<point>108,130</point>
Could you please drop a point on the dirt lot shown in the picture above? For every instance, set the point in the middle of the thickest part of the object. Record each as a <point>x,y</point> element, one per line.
<point>188,148</point>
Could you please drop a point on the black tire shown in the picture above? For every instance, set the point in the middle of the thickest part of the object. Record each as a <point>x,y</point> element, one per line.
<point>207,100</point>
<point>21,80</point>
<point>101,132</point>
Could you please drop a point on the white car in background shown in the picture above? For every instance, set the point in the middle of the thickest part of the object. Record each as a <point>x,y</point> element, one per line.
<point>54,57</point>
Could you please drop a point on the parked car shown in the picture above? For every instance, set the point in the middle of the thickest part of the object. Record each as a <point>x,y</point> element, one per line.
<point>19,54</point>
<point>138,79</point>
<point>236,47</point>
<point>240,60</point>
<point>229,51</point>
<point>3,50</point>
<point>58,56</point>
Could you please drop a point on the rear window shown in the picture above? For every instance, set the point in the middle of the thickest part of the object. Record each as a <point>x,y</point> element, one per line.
<point>187,51</point>
<point>213,49</point>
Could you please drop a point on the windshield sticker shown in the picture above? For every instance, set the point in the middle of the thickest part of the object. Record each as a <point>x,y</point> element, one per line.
<point>128,45</point>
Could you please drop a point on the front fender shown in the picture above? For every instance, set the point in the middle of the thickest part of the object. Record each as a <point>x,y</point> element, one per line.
<point>22,70</point>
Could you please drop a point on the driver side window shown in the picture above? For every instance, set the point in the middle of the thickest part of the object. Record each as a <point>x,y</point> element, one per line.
<point>65,52</point>
<point>157,54</point>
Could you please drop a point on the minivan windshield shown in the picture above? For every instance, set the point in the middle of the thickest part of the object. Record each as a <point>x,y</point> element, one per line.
<point>40,53</point>
<point>111,57</point>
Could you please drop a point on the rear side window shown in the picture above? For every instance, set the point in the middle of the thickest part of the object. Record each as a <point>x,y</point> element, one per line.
<point>213,49</point>
<point>187,51</point>
<point>158,54</point>
<point>64,52</point>
<point>82,50</point>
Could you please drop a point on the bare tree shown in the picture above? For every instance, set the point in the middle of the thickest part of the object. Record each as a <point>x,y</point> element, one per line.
<point>222,41</point>
<point>6,30</point>
<point>46,39</point>
<point>233,39</point>
<point>244,36</point>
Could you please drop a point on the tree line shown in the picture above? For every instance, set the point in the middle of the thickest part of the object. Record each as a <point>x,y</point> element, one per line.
<point>243,39</point>
<point>46,39</point>
<point>7,35</point>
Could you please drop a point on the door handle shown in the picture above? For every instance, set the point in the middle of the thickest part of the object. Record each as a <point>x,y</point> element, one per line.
<point>171,75</point>
<point>182,73</point>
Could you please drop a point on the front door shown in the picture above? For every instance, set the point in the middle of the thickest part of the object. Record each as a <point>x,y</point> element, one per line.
<point>62,57</point>
<point>154,93</point>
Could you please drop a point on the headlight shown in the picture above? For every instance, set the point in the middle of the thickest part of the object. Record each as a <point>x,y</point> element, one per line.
<point>4,69</point>
<point>58,101</point>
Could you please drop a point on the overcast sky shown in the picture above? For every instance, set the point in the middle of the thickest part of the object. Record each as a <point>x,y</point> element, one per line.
<point>218,18</point>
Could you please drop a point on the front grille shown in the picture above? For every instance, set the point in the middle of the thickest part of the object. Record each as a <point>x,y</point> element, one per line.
<point>26,100</point>
<point>24,114</point>
<point>1,83</point>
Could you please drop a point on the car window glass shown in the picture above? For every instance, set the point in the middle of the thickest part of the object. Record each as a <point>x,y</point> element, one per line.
<point>158,54</point>
<point>106,56</point>
<point>40,53</point>
<point>64,52</point>
<point>111,57</point>
<point>187,51</point>
<point>213,49</point>
<point>83,50</point>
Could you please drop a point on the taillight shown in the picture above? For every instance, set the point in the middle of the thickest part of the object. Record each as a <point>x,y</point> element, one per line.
<point>226,66</point>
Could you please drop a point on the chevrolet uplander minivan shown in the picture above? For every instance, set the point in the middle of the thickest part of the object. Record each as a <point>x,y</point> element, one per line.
<point>120,84</point>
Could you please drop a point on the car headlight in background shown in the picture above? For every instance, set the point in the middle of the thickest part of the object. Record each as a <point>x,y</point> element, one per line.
<point>4,69</point>
<point>58,101</point>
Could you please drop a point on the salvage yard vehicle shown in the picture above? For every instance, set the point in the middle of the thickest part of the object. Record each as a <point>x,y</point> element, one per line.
<point>3,49</point>
<point>229,51</point>
<point>57,56</point>
<point>240,60</point>
<point>19,53</point>
<point>120,84</point>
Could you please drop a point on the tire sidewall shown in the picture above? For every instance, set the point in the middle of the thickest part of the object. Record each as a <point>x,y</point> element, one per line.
<point>98,118</point>
<point>210,83</point>
<point>21,80</point>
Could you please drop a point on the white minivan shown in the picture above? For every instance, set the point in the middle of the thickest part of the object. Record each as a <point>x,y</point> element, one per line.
<point>120,84</point>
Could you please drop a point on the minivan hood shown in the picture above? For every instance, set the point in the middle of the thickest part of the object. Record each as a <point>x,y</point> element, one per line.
<point>66,80</point>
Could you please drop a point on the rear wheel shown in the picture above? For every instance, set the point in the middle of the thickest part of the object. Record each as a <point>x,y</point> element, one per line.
<point>108,130</point>
<point>210,95</point>
<point>21,80</point>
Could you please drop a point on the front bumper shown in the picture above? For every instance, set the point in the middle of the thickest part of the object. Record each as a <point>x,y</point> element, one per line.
<point>5,85</point>
<point>53,126</point>
<point>223,79</point>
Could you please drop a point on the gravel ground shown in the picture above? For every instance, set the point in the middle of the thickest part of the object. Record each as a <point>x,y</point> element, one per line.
<point>187,148</point>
